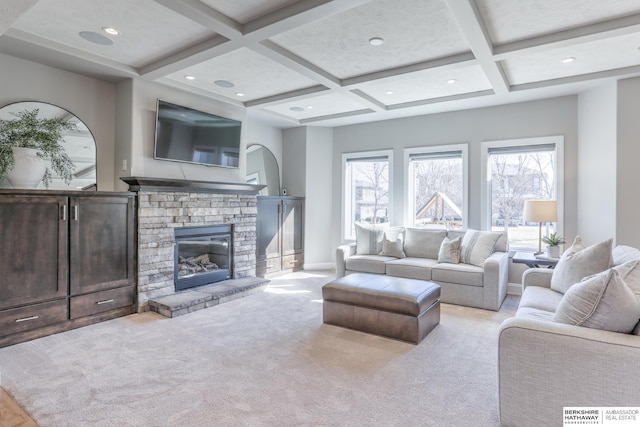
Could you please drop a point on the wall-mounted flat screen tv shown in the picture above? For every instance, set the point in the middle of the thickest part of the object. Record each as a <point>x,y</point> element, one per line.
<point>184,134</point>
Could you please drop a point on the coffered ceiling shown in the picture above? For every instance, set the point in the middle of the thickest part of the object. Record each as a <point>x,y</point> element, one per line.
<point>311,61</point>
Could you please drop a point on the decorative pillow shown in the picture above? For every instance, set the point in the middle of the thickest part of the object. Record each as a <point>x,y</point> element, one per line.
<point>420,243</point>
<point>450,250</point>
<point>622,254</point>
<point>602,301</point>
<point>578,262</point>
<point>369,238</point>
<point>477,246</point>
<point>392,248</point>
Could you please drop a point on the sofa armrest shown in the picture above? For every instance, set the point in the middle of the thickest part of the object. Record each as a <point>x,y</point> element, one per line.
<point>537,277</point>
<point>496,276</point>
<point>342,253</point>
<point>544,366</point>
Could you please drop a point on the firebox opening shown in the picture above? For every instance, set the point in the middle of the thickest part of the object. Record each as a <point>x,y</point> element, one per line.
<point>203,255</point>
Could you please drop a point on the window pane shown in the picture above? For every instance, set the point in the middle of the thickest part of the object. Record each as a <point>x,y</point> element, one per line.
<point>437,191</point>
<point>516,177</point>
<point>366,192</point>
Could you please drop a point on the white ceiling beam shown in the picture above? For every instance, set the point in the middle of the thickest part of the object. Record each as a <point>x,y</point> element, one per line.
<point>285,97</point>
<point>466,13</point>
<point>449,98</point>
<point>617,72</point>
<point>336,116</point>
<point>588,33</point>
<point>205,16</point>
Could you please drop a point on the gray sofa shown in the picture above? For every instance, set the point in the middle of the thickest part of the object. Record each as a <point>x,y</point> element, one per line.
<point>544,365</point>
<point>482,286</point>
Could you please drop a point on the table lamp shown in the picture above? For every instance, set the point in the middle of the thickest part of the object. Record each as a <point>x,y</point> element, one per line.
<point>540,211</point>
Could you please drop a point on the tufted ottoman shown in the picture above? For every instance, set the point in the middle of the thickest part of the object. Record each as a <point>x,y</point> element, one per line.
<point>394,307</point>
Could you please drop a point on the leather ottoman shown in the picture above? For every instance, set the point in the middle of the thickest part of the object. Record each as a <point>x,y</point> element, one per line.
<point>394,307</point>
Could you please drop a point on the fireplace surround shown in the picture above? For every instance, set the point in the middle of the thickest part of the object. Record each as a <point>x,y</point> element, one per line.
<point>165,206</point>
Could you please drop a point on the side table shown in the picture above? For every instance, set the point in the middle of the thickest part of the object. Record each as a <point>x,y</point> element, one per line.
<point>531,261</point>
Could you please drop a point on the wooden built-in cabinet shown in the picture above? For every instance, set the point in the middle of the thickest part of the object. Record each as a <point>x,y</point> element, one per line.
<point>67,260</point>
<point>280,235</point>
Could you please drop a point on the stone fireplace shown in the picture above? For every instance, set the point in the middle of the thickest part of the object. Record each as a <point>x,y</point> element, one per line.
<point>167,206</point>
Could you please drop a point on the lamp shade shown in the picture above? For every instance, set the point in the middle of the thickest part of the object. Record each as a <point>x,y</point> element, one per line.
<point>540,211</point>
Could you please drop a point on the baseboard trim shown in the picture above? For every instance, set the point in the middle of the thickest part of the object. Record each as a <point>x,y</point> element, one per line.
<point>319,266</point>
<point>514,288</point>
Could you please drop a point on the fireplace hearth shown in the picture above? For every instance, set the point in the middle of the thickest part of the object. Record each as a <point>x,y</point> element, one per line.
<point>203,255</point>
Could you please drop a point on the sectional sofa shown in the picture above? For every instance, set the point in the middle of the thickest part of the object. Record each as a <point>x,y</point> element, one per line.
<point>574,340</point>
<point>470,266</point>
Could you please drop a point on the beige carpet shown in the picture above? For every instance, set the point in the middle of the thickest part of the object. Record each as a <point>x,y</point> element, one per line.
<point>263,360</point>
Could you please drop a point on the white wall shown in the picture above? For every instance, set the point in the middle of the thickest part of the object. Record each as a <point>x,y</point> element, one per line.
<point>556,116</point>
<point>91,100</point>
<point>141,97</point>
<point>628,163</point>
<point>597,114</point>
<point>294,154</point>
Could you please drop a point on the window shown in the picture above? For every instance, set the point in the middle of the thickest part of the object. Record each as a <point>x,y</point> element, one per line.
<point>437,186</point>
<point>366,179</point>
<point>516,171</point>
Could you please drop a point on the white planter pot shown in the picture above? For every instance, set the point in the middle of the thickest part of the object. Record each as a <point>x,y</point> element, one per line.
<point>553,251</point>
<point>28,169</point>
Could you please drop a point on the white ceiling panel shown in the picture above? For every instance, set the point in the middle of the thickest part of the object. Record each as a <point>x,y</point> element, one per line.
<point>10,10</point>
<point>247,10</point>
<point>591,57</point>
<point>508,21</point>
<point>253,75</point>
<point>413,31</point>
<point>427,84</point>
<point>147,29</point>
<point>317,106</point>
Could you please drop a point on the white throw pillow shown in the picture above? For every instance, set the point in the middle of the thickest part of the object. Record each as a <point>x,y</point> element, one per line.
<point>450,250</point>
<point>392,248</point>
<point>420,243</point>
<point>369,238</point>
<point>623,254</point>
<point>578,262</point>
<point>602,301</point>
<point>477,246</point>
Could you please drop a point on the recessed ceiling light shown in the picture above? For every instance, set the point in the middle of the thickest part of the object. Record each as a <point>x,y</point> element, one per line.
<point>376,41</point>
<point>97,38</point>
<point>224,83</point>
<point>239,94</point>
<point>110,30</point>
<point>389,92</point>
<point>568,60</point>
<point>451,81</point>
<point>188,77</point>
<point>309,107</point>
<point>297,109</point>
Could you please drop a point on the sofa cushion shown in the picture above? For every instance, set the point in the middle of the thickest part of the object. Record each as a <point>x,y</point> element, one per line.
<point>369,238</point>
<point>535,313</point>
<point>540,298</point>
<point>450,250</point>
<point>392,248</point>
<point>412,268</point>
<point>420,243</point>
<point>622,254</point>
<point>477,246</point>
<point>578,262</point>
<point>463,274</point>
<point>602,301</point>
<point>368,263</point>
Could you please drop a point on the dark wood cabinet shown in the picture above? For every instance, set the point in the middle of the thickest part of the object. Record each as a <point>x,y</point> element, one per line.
<point>67,260</point>
<point>280,235</point>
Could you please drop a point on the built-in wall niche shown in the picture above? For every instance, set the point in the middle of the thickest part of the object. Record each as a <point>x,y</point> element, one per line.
<point>78,143</point>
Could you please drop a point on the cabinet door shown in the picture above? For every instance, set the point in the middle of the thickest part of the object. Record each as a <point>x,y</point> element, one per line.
<point>101,236</point>
<point>268,228</point>
<point>33,249</point>
<point>292,226</point>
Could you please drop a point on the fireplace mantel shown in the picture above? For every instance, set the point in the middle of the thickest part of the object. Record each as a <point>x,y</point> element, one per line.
<point>137,183</point>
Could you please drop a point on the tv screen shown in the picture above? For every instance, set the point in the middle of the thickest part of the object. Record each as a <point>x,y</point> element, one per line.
<point>187,135</point>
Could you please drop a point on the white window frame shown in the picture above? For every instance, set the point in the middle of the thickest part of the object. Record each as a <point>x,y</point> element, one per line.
<point>408,182</point>
<point>558,140</point>
<point>362,155</point>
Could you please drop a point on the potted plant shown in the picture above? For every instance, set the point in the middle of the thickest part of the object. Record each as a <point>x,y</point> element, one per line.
<point>553,242</point>
<point>26,142</point>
